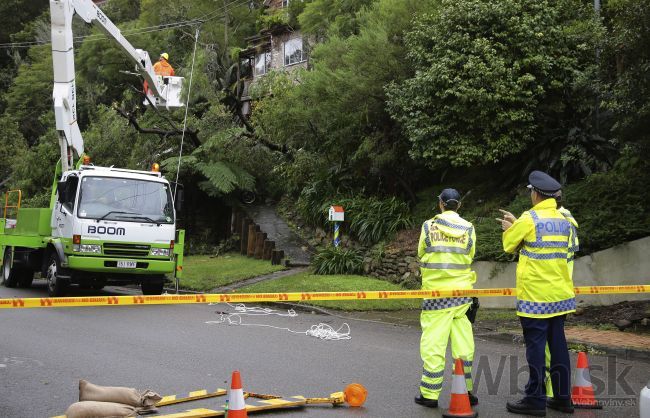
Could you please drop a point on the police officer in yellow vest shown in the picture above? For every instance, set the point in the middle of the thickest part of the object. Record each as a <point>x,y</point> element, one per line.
<point>543,238</point>
<point>574,246</point>
<point>446,250</point>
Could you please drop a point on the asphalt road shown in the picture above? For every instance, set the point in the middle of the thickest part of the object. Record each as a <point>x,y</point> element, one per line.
<point>172,350</point>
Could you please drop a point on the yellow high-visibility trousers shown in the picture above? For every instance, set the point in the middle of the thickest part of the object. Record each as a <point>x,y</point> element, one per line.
<point>438,326</point>
<point>547,362</point>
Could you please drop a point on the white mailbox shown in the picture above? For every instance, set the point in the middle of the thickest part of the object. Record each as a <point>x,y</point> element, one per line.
<point>337,214</point>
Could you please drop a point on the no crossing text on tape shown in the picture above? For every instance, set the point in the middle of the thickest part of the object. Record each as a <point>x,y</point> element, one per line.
<point>20,303</point>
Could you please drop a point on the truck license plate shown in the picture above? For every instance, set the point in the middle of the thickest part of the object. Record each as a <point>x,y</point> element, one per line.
<point>126,264</point>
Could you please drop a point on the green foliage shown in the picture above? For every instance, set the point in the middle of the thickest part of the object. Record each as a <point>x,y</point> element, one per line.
<point>14,15</point>
<point>13,145</point>
<point>273,20</point>
<point>331,17</point>
<point>30,95</point>
<point>628,57</point>
<point>611,208</point>
<point>221,157</point>
<point>336,260</point>
<point>33,172</point>
<point>399,95</point>
<point>122,10</point>
<point>371,220</point>
<point>132,150</point>
<point>494,77</point>
<point>368,219</point>
<point>337,111</point>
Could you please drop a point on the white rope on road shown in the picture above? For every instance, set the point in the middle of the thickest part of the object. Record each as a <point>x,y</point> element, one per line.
<point>321,331</point>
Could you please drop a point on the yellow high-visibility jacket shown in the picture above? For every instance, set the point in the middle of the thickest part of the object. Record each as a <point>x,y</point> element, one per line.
<point>542,236</point>
<point>446,251</point>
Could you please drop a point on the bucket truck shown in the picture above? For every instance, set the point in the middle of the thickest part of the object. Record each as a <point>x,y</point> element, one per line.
<point>104,225</point>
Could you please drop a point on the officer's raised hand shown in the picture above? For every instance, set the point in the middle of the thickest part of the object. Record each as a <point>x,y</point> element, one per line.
<point>508,216</point>
<point>507,220</point>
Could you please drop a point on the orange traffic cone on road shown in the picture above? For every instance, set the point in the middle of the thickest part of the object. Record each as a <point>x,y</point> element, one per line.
<point>582,392</point>
<point>459,404</point>
<point>236,404</point>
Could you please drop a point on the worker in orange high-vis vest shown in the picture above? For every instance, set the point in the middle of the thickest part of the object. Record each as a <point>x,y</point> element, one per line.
<point>446,251</point>
<point>543,238</point>
<point>163,67</point>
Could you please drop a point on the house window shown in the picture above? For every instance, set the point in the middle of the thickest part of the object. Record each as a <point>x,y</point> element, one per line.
<point>293,51</point>
<point>262,63</point>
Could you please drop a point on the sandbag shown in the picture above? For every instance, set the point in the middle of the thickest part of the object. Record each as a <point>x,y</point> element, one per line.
<point>144,401</point>
<point>93,409</point>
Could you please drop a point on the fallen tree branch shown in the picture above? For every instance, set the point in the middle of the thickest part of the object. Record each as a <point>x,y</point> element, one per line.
<point>163,133</point>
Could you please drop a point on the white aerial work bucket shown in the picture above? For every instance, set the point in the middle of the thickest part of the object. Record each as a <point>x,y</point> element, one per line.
<point>170,89</point>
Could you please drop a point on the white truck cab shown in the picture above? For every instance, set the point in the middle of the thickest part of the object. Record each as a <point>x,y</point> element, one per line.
<point>112,226</point>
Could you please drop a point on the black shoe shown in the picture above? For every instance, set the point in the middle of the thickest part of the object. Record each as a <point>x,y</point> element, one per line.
<point>429,403</point>
<point>473,400</point>
<point>562,405</point>
<point>524,408</point>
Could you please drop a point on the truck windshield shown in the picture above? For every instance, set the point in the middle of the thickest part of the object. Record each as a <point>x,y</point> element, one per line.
<point>121,199</point>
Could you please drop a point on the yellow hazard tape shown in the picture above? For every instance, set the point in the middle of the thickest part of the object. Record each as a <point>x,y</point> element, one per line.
<point>17,303</point>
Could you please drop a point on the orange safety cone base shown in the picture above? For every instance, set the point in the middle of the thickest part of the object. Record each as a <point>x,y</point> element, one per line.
<point>459,405</point>
<point>582,393</point>
<point>583,397</point>
<point>472,414</point>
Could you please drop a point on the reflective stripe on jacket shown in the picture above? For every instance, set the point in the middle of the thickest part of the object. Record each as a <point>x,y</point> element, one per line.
<point>446,251</point>
<point>543,237</point>
<point>574,245</point>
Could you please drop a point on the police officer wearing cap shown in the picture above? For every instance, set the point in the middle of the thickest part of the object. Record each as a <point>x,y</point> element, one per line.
<point>446,250</point>
<point>543,237</point>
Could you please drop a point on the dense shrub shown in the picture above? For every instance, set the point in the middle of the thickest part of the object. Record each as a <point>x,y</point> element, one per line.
<point>611,208</point>
<point>335,260</point>
<point>367,219</point>
<point>370,219</point>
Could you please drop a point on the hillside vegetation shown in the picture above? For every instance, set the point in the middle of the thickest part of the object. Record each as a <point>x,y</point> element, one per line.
<point>400,99</point>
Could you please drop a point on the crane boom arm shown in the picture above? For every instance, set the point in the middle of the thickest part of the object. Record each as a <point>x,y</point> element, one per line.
<point>64,92</point>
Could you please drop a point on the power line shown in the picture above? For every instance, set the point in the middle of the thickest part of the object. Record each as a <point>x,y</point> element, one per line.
<point>157,28</point>
<point>29,44</point>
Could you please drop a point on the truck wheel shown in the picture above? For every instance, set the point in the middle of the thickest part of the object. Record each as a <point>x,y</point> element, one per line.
<point>55,285</point>
<point>10,275</point>
<point>152,287</point>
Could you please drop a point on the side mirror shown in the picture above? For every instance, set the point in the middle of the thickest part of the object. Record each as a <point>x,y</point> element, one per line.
<point>178,203</point>
<point>62,190</point>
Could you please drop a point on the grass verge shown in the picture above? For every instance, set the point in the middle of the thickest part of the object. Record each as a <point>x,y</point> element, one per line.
<point>307,282</point>
<point>204,272</point>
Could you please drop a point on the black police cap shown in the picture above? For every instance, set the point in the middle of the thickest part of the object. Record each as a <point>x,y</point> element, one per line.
<point>543,183</point>
<point>449,195</point>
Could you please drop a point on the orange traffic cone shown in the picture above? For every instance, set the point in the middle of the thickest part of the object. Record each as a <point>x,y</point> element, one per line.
<point>582,392</point>
<point>459,405</point>
<point>236,405</point>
